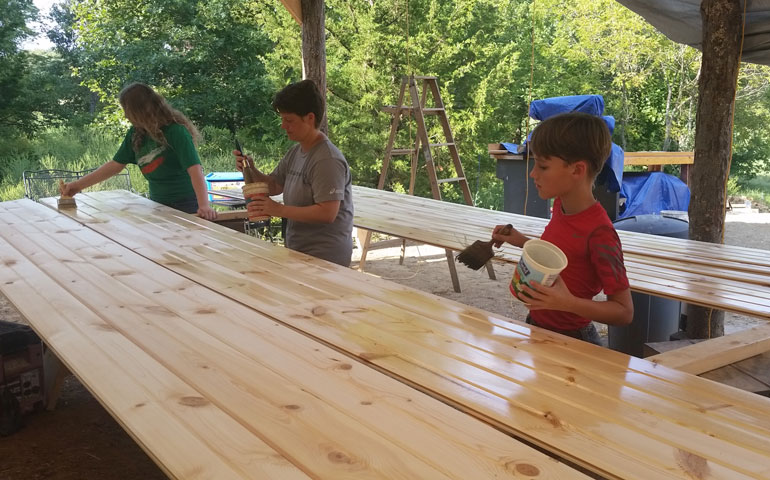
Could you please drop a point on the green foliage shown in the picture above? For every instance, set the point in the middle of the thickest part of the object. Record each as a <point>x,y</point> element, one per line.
<point>67,148</point>
<point>221,61</point>
<point>14,111</point>
<point>201,55</point>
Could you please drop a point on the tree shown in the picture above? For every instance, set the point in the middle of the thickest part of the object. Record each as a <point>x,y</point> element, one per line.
<point>14,110</point>
<point>203,56</point>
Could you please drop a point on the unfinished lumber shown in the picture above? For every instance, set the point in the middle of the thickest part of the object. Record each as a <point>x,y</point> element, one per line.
<point>716,352</point>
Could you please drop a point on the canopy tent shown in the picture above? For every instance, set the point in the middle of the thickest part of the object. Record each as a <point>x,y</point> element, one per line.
<point>680,20</point>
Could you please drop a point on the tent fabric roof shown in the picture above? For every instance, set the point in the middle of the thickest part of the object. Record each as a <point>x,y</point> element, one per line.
<point>680,20</point>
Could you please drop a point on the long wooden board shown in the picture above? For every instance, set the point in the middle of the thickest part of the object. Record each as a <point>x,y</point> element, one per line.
<point>618,416</point>
<point>213,389</point>
<point>717,352</point>
<point>719,276</point>
<point>723,277</point>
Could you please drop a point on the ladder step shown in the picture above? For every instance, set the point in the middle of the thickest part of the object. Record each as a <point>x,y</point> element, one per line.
<point>425,77</point>
<point>392,109</point>
<point>442,144</point>
<point>448,180</point>
<point>402,151</point>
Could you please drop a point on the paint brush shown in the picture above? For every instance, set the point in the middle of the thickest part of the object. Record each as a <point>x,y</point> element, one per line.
<point>64,201</point>
<point>479,253</point>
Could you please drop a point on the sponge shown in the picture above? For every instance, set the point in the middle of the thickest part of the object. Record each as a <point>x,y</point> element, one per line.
<point>65,201</point>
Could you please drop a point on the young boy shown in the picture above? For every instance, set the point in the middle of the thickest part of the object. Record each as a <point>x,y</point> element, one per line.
<point>569,152</point>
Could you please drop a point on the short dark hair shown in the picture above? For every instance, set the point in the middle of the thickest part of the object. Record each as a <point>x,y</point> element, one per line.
<point>573,137</point>
<point>300,98</point>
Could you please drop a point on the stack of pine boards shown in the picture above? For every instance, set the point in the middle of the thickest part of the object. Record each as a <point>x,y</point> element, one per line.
<point>615,415</point>
<point>723,277</point>
<point>211,388</point>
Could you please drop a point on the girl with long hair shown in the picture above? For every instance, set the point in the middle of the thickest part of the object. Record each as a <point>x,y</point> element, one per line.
<point>162,143</point>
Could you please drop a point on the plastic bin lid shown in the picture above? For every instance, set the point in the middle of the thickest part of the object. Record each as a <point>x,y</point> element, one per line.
<point>655,225</point>
<point>224,176</point>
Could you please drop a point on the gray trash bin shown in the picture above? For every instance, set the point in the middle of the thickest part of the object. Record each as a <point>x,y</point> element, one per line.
<point>655,318</point>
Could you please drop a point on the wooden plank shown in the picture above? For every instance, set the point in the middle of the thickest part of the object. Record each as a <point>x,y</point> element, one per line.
<point>658,158</point>
<point>618,416</point>
<point>717,352</point>
<point>295,8</point>
<point>332,416</point>
<point>752,374</point>
<point>720,276</point>
<point>629,158</point>
<point>232,215</point>
<point>168,418</point>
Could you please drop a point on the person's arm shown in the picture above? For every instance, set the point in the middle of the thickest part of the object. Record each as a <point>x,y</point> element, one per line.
<point>201,192</point>
<point>515,238</point>
<point>618,309</point>
<point>322,212</point>
<point>274,188</point>
<point>107,170</point>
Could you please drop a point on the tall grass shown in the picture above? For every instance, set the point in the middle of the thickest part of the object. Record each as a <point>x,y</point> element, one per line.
<point>78,149</point>
<point>64,148</point>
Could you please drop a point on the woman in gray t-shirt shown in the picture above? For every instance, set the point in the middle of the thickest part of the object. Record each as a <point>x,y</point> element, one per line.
<point>314,178</point>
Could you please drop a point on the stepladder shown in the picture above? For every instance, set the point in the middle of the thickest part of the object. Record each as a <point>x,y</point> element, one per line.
<point>413,106</point>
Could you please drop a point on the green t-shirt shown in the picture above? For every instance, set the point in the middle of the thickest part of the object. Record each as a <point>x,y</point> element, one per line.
<point>165,168</point>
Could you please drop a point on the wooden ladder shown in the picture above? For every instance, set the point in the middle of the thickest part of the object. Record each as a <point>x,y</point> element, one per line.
<point>419,110</point>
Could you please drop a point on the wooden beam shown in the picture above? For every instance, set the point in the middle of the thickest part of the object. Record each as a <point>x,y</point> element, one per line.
<point>232,215</point>
<point>658,158</point>
<point>294,7</point>
<point>717,352</point>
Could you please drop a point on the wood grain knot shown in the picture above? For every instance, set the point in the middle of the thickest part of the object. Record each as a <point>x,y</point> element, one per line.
<point>205,311</point>
<point>9,263</point>
<point>523,468</point>
<point>366,402</point>
<point>292,407</point>
<point>694,466</point>
<point>318,311</point>
<point>122,273</point>
<point>344,366</point>
<point>140,405</point>
<point>552,419</point>
<point>339,457</point>
<point>193,401</point>
<point>571,379</point>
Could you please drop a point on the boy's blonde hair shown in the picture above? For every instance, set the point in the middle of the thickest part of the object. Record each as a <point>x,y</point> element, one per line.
<point>573,137</point>
<point>149,112</point>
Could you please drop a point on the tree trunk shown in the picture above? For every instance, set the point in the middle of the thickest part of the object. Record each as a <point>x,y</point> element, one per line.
<point>314,48</point>
<point>713,133</point>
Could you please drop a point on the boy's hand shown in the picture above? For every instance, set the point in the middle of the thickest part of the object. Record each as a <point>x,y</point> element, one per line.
<point>499,237</point>
<point>555,297</point>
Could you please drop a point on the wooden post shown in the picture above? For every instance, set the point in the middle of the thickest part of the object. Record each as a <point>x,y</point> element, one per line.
<point>314,48</point>
<point>722,23</point>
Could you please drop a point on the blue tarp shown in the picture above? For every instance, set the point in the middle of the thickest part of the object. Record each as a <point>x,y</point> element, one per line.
<point>650,193</point>
<point>612,173</point>
<point>548,107</point>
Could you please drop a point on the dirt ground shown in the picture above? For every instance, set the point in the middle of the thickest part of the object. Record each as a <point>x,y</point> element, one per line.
<point>79,440</point>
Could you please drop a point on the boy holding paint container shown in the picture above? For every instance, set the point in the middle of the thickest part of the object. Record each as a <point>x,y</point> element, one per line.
<point>579,253</point>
